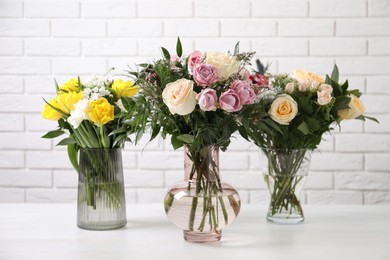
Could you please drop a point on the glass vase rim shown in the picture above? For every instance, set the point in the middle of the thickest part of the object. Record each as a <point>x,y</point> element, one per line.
<point>207,146</point>
<point>99,149</point>
<point>286,149</point>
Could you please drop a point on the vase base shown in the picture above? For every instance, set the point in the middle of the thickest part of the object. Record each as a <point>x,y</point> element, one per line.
<point>285,219</point>
<point>202,237</point>
<point>102,226</point>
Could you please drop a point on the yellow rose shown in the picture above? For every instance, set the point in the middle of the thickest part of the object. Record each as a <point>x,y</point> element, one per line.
<point>67,101</point>
<point>356,108</point>
<point>71,85</point>
<point>307,79</point>
<point>124,88</point>
<point>283,109</point>
<point>50,113</point>
<point>180,97</point>
<point>100,111</point>
<point>225,63</point>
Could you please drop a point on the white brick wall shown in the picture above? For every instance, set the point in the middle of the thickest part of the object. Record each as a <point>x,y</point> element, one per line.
<point>43,39</point>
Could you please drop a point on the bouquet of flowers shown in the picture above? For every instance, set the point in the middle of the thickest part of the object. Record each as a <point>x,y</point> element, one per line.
<point>89,113</point>
<point>195,99</point>
<point>296,110</point>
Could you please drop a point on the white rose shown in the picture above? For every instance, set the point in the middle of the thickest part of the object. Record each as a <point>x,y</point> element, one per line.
<point>289,88</point>
<point>323,97</point>
<point>325,87</point>
<point>225,63</point>
<point>356,108</point>
<point>180,97</point>
<point>283,109</point>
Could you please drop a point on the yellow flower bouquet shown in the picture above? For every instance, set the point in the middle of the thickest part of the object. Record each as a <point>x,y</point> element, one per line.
<point>90,114</point>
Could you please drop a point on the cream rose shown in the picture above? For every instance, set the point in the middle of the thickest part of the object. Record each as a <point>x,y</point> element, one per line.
<point>283,109</point>
<point>307,79</point>
<point>180,97</point>
<point>225,63</point>
<point>356,108</point>
<point>302,75</point>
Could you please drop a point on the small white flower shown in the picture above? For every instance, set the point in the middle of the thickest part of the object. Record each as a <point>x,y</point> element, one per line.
<point>96,81</point>
<point>95,96</point>
<point>267,93</point>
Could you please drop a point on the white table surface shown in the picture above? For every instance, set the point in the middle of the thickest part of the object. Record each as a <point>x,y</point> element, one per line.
<point>49,231</point>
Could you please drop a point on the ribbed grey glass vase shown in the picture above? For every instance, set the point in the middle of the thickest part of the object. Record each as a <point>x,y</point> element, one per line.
<point>101,194</point>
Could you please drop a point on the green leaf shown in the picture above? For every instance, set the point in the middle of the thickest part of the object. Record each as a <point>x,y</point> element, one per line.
<point>119,139</point>
<point>304,128</point>
<point>372,119</point>
<point>355,92</point>
<point>67,141</point>
<point>189,139</point>
<point>155,130</point>
<point>337,90</point>
<point>176,143</point>
<point>166,53</point>
<point>117,131</point>
<point>335,74</point>
<point>243,132</point>
<point>314,124</point>
<point>53,134</point>
<point>57,87</point>
<point>56,109</point>
<point>128,103</point>
<point>179,48</point>
<point>341,103</point>
<point>73,156</point>
<point>79,84</point>
<point>237,48</point>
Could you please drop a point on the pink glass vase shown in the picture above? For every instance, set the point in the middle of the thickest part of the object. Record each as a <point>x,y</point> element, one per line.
<point>201,204</point>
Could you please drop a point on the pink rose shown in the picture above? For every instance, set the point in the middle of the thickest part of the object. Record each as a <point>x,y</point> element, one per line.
<point>230,101</point>
<point>245,91</point>
<point>245,74</point>
<point>207,99</point>
<point>194,59</point>
<point>205,75</point>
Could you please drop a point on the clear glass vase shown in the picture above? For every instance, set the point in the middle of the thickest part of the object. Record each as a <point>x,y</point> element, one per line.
<point>201,204</point>
<point>285,172</point>
<point>101,194</point>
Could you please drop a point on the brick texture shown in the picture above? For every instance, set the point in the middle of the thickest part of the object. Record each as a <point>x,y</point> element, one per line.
<point>41,40</point>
